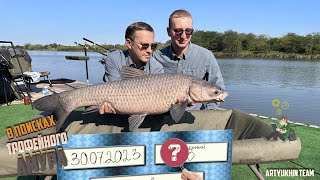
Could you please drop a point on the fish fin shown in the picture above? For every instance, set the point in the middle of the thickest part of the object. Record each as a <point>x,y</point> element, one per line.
<point>135,121</point>
<point>129,73</point>
<point>177,110</point>
<point>53,103</point>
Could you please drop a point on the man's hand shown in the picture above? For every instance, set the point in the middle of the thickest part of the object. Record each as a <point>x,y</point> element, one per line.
<point>187,175</point>
<point>106,108</point>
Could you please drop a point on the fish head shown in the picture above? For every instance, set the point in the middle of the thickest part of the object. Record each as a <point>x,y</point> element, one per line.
<point>202,91</point>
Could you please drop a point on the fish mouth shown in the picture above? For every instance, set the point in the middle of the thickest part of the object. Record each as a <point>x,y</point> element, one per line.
<point>218,100</point>
<point>221,97</point>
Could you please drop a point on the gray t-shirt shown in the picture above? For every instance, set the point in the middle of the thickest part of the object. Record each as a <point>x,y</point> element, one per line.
<point>196,61</point>
<point>115,60</point>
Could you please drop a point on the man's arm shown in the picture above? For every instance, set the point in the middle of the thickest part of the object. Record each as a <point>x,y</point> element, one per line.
<point>112,71</point>
<point>156,67</point>
<point>158,70</point>
<point>214,77</point>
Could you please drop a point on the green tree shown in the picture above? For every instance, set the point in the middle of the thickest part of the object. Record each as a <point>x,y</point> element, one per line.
<point>261,44</point>
<point>208,39</point>
<point>249,41</point>
<point>292,43</point>
<point>27,46</point>
<point>308,43</point>
<point>231,42</point>
<point>274,44</point>
<point>316,43</point>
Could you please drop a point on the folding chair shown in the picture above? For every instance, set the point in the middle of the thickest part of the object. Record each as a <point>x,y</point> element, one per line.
<point>8,87</point>
<point>20,62</point>
<point>25,62</point>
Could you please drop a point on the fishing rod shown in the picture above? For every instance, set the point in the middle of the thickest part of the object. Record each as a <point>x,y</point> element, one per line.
<point>95,44</point>
<point>102,61</point>
<point>92,49</point>
<point>86,58</point>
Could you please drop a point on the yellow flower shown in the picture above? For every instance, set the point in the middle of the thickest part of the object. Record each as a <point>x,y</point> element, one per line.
<point>275,102</point>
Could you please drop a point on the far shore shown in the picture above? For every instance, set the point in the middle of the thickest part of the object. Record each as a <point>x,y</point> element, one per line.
<point>220,54</point>
<point>271,55</point>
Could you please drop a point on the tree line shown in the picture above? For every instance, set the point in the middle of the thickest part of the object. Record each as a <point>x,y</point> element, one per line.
<point>234,44</point>
<point>227,44</point>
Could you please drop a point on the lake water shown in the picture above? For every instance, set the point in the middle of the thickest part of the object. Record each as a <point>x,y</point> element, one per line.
<point>252,83</point>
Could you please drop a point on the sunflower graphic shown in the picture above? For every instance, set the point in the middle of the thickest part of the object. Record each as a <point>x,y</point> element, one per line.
<point>275,102</point>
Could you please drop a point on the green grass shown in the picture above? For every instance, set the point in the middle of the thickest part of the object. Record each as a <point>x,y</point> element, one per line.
<point>15,114</point>
<point>309,156</point>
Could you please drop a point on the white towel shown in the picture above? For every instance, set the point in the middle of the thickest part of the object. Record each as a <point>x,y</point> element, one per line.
<point>35,76</point>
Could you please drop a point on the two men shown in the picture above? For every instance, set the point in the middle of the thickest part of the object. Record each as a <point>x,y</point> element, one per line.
<point>181,56</point>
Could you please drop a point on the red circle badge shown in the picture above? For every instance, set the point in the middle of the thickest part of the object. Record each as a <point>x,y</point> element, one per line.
<point>174,152</point>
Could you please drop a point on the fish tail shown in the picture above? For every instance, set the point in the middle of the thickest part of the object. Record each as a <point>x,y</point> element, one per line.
<point>54,104</point>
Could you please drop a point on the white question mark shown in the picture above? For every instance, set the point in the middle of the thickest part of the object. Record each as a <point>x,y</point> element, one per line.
<point>175,151</point>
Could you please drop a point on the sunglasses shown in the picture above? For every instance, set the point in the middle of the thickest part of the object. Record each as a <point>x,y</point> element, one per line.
<point>179,31</point>
<point>145,46</point>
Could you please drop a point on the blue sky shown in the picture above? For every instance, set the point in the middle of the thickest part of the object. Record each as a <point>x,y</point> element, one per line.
<point>64,22</point>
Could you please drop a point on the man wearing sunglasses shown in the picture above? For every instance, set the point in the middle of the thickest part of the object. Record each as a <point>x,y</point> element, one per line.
<point>139,39</point>
<point>181,56</point>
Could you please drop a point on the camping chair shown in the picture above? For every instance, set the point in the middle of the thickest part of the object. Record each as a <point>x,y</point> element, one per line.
<point>25,62</point>
<point>6,92</point>
<point>20,62</point>
<point>7,78</point>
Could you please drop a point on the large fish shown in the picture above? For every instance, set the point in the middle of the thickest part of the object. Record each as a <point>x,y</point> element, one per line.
<point>137,95</point>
